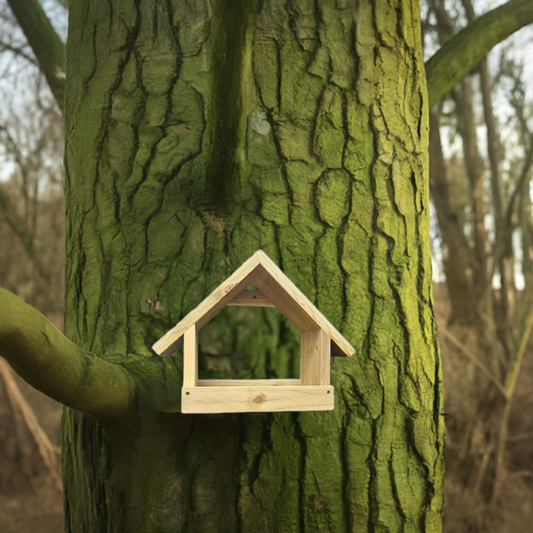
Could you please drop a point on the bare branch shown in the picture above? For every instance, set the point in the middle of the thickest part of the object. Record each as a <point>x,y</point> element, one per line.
<point>521,188</point>
<point>521,437</point>
<point>488,374</point>
<point>17,51</point>
<point>464,51</point>
<point>45,43</point>
<point>48,361</point>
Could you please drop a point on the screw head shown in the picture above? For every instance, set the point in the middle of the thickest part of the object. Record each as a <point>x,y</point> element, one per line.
<point>188,393</point>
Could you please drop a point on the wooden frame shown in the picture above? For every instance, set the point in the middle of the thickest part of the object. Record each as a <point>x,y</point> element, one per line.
<point>319,341</point>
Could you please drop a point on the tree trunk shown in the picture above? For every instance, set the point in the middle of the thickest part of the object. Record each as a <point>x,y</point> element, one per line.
<point>196,133</point>
<point>458,258</point>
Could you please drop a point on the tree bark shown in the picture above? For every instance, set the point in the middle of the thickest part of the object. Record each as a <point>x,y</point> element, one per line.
<point>45,359</point>
<point>197,133</point>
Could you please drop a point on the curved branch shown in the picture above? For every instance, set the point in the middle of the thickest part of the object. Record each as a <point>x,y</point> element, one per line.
<point>48,48</point>
<point>465,50</point>
<point>501,245</point>
<point>47,360</point>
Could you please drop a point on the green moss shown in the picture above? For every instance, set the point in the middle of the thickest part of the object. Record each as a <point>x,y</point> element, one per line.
<point>275,208</point>
<point>292,111</point>
<point>333,196</point>
<point>271,181</point>
<point>328,142</point>
<point>230,104</point>
<point>330,279</point>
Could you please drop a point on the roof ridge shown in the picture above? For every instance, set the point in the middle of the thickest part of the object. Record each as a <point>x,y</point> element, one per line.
<point>275,285</point>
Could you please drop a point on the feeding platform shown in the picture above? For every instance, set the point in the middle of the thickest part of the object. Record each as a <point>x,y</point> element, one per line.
<point>319,342</point>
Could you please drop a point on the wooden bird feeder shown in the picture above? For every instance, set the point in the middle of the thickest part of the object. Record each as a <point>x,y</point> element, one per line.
<point>319,341</point>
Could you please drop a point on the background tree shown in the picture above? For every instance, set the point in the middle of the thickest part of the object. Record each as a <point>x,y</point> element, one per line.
<point>485,236</point>
<point>31,177</point>
<point>194,138</point>
<point>31,262</point>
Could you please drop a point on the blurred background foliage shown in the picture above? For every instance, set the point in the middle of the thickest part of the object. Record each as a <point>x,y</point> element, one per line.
<point>481,161</point>
<point>481,165</point>
<point>32,261</point>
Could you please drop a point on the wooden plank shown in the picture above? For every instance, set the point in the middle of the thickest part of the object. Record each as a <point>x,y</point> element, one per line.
<point>190,358</point>
<point>276,287</point>
<point>315,354</point>
<point>279,289</point>
<point>256,399</point>
<point>224,293</point>
<point>251,299</point>
<point>248,382</point>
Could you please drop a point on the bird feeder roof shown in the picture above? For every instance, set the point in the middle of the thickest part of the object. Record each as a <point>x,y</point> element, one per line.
<point>275,289</point>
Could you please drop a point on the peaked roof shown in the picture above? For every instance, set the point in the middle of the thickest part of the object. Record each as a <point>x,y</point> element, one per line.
<point>276,286</point>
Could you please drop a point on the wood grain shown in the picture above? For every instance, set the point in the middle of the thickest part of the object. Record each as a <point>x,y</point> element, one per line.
<point>251,299</point>
<point>248,382</point>
<point>223,294</point>
<point>277,290</point>
<point>315,356</point>
<point>190,358</point>
<point>283,300</point>
<point>293,304</point>
<point>256,399</point>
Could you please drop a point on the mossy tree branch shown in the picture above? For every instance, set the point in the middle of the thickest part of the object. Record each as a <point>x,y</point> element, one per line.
<point>465,50</point>
<point>48,361</point>
<point>48,48</point>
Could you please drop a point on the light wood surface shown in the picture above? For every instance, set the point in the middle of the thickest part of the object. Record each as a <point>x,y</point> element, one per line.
<point>190,358</point>
<point>296,303</point>
<point>248,382</point>
<point>277,289</point>
<point>283,300</point>
<point>251,299</point>
<point>223,294</point>
<point>315,355</point>
<point>256,399</point>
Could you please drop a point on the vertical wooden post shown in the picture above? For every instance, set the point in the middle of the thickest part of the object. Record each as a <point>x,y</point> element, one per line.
<point>190,357</point>
<point>316,352</point>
